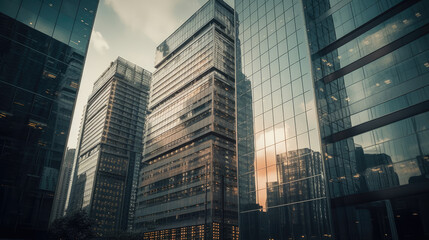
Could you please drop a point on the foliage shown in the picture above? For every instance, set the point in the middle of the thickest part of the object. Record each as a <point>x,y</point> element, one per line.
<point>74,226</point>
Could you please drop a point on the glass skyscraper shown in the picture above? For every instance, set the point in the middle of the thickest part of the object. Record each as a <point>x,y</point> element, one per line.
<point>371,74</point>
<point>332,113</point>
<point>280,170</point>
<point>188,183</point>
<point>110,147</point>
<point>43,45</point>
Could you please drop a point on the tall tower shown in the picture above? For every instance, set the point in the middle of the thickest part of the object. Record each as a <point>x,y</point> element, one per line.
<point>110,146</point>
<point>43,50</point>
<point>187,187</point>
<point>338,143</point>
<point>281,178</point>
<point>370,63</point>
<point>59,204</point>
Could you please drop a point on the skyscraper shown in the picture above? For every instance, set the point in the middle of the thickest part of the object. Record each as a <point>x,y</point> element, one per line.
<point>334,101</point>
<point>110,147</point>
<point>59,204</point>
<point>370,69</point>
<point>43,45</point>
<point>187,187</point>
<point>281,177</point>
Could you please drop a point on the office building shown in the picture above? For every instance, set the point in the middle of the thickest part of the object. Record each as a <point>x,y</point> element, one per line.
<point>110,147</point>
<point>59,204</point>
<point>187,187</point>
<point>281,177</point>
<point>343,83</point>
<point>370,65</point>
<point>43,49</point>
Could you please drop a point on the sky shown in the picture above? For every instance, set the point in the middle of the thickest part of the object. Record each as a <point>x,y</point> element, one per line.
<point>131,29</point>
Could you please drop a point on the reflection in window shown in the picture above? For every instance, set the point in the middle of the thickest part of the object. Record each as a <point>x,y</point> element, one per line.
<point>48,16</point>
<point>83,25</point>
<point>28,12</point>
<point>65,20</point>
<point>10,7</point>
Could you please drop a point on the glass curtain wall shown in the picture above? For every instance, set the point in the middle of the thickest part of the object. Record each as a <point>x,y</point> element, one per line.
<point>370,64</point>
<point>282,189</point>
<point>43,49</point>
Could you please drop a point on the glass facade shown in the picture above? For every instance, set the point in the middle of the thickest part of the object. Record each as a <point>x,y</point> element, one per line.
<point>280,170</point>
<point>43,49</point>
<point>370,65</point>
<point>343,82</point>
<point>110,147</point>
<point>187,187</point>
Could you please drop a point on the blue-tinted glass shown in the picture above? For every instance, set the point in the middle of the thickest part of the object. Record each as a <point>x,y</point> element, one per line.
<point>65,20</point>
<point>285,75</point>
<point>288,109</point>
<point>48,16</point>
<point>287,92</point>
<point>301,123</point>
<point>267,103</point>
<point>275,81</point>
<point>278,114</point>
<point>299,104</point>
<point>290,128</point>
<point>28,12</point>
<point>266,87</point>
<point>297,87</point>
<point>10,7</point>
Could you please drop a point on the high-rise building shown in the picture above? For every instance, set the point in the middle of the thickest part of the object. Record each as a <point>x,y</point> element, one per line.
<point>59,204</point>
<point>332,109</point>
<point>280,174</point>
<point>43,45</point>
<point>187,187</point>
<point>110,147</point>
<point>370,63</point>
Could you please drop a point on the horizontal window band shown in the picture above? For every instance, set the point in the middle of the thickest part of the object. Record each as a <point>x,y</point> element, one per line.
<point>419,32</point>
<point>207,72</point>
<point>391,193</point>
<point>190,39</point>
<point>283,205</point>
<point>379,122</point>
<point>332,10</point>
<point>395,92</point>
<point>151,156</point>
<point>365,27</point>
<point>111,175</point>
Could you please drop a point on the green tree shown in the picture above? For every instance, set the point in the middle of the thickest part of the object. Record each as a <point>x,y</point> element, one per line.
<point>74,226</point>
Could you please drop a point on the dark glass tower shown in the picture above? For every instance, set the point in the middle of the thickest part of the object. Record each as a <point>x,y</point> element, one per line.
<point>43,45</point>
<point>110,147</point>
<point>188,187</point>
<point>339,91</point>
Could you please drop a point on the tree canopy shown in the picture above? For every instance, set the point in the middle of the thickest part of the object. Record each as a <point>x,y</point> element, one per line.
<point>74,226</point>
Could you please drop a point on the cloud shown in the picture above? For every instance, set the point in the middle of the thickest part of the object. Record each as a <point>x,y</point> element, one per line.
<point>100,44</point>
<point>155,19</point>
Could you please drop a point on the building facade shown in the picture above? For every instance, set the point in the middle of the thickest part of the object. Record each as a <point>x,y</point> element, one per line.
<point>334,96</point>
<point>59,204</point>
<point>110,147</point>
<point>187,187</point>
<point>280,170</point>
<point>43,49</point>
<point>371,72</point>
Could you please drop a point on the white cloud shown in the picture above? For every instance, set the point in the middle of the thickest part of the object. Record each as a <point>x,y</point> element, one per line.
<point>100,44</point>
<point>155,19</point>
